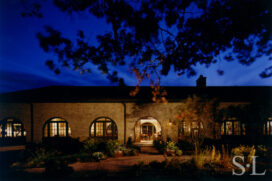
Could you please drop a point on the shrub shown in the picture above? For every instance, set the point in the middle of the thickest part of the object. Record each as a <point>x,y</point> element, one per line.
<point>171,145</point>
<point>39,157</point>
<point>178,152</point>
<point>130,152</point>
<point>186,146</point>
<point>65,145</point>
<point>90,145</point>
<point>98,156</point>
<point>160,146</point>
<point>57,167</point>
<point>100,145</point>
<point>111,146</point>
<point>129,142</point>
<point>245,151</point>
<point>173,167</point>
<point>261,151</point>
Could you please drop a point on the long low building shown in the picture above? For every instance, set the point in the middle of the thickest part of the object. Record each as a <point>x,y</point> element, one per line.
<point>111,112</point>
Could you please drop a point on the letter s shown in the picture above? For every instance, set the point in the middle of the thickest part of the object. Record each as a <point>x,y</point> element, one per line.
<point>238,165</point>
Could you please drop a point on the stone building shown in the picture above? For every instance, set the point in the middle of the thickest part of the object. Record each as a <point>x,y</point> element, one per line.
<point>110,112</point>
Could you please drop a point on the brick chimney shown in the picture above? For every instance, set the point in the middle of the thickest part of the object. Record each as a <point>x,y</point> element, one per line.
<point>201,81</point>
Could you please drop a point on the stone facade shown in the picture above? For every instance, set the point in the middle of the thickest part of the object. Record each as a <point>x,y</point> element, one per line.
<point>80,116</point>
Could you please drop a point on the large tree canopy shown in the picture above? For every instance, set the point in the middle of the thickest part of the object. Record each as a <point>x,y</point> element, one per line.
<point>151,36</point>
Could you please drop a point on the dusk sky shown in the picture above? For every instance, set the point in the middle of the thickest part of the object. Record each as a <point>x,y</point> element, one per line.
<point>22,61</point>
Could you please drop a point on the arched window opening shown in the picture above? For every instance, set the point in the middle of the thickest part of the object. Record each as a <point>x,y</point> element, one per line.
<point>11,128</point>
<point>56,127</point>
<point>103,127</point>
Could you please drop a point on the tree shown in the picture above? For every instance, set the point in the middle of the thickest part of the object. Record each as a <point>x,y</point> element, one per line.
<point>196,118</point>
<point>154,35</point>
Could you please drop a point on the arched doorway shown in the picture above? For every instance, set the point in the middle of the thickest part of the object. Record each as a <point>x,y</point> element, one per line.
<point>147,129</point>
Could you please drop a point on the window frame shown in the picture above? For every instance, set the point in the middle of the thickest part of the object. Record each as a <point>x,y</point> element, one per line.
<point>48,131</point>
<point>267,130</point>
<point>235,131</point>
<point>4,122</point>
<point>114,131</point>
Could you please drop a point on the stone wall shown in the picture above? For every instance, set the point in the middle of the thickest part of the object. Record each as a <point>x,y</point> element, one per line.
<point>81,115</point>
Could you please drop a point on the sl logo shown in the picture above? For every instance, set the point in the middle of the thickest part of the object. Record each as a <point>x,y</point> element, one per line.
<point>247,165</point>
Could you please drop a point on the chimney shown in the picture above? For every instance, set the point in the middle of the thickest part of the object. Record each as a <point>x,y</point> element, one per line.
<point>201,81</point>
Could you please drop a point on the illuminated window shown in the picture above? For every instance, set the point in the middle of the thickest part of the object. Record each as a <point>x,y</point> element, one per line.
<point>267,127</point>
<point>56,127</point>
<point>11,127</point>
<point>233,127</point>
<point>191,129</point>
<point>103,128</point>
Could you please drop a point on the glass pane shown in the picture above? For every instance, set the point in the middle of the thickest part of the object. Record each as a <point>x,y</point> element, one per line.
<point>99,129</point>
<point>69,131</point>
<point>228,128</point>
<point>62,129</point>
<point>8,130</point>
<point>53,129</point>
<point>17,129</point>
<point>92,130</point>
<point>109,128</point>
<point>237,129</point>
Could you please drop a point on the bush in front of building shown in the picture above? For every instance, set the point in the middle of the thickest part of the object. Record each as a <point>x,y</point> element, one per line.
<point>98,156</point>
<point>108,147</point>
<point>64,145</point>
<point>160,146</point>
<point>185,146</point>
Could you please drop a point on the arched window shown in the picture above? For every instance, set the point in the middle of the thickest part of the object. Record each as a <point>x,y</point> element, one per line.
<point>56,127</point>
<point>11,128</point>
<point>103,127</point>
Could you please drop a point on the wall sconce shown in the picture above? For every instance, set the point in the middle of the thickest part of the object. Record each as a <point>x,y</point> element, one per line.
<point>170,122</point>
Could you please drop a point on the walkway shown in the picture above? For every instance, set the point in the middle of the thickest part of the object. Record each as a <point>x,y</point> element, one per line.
<point>114,164</point>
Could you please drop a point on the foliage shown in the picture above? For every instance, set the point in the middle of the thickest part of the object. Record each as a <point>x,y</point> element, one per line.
<point>160,145</point>
<point>90,145</point>
<point>98,156</point>
<point>261,151</point>
<point>212,158</point>
<point>243,150</point>
<point>171,146</point>
<point>179,152</point>
<point>64,145</point>
<point>100,145</point>
<point>39,158</point>
<point>153,36</point>
<point>186,146</point>
<point>130,152</point>
<point>57,167</point>
<point>111,146</point>
<point>200,111</point>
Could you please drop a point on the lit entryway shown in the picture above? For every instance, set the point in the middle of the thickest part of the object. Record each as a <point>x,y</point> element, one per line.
<point>147,129</point>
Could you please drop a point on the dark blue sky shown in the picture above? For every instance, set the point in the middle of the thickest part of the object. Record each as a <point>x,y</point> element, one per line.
<point>22,61</point>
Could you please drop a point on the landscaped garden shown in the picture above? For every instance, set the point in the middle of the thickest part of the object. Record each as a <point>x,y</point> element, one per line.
<point>97,157</point>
